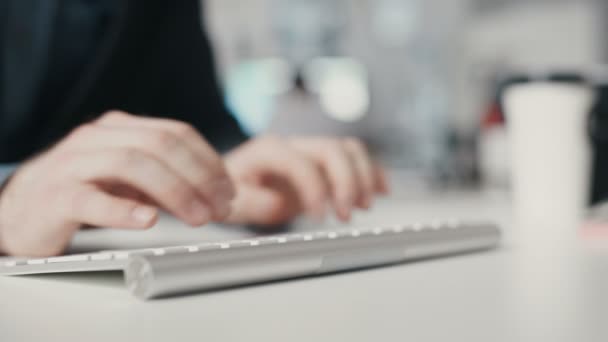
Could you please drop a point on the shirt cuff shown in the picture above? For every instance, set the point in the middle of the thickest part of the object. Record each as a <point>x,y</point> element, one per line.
<point>5,172</point>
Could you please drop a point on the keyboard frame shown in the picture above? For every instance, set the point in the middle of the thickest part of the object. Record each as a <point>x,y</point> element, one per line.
<point>119,260</point>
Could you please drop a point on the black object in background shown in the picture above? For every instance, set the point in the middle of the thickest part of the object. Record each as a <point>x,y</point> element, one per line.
<point>599,139</point>
<point>154,59</point>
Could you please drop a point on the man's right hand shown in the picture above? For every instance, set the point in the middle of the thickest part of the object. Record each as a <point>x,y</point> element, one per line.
<point>114,172</point>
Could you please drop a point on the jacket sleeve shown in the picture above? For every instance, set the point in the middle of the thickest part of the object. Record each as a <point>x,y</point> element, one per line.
<point>192,91</point>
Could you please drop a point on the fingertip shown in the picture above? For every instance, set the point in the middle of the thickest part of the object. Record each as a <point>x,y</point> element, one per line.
<point>364,203</point>
<point>347,201</point>
<point>383,187</point>
<point>343,213</point>
<point>197,222</point>
<point>346,217</point>
<point>144,216</point>
<point>198,213</point>
<point>367,191</point>
<point>150,224</point>
<point>382,182</point>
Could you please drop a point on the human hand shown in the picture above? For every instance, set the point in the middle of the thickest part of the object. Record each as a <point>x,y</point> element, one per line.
<point>277,179</point>
<point>114,172</point>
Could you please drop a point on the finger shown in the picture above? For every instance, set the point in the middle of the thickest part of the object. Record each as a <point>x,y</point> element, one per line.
<point>301,172</point>
<point>189,134</point>
<point>364,168</point>
<point>382,183</point>
<point>91,206</point>
<point>262,206</point>
<point>147,175</point>
<point>209,180</point>
<point>123,191</point>
<point>337,166</point>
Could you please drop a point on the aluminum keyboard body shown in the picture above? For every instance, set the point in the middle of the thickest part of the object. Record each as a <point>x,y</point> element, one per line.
<point>159,272</point>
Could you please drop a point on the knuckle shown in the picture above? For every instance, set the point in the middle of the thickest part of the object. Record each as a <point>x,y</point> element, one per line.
<point>64,158</point>
<point>165,141</point>
<point>334,150</point>
<point>209,174</point>
<point>82,130</point>
<point>177,191</point>
<point>114,114</point>
<point>205,181</point>
<point>129,157</point>
<point>271,140</point>
<point>354,143</point>
<point>183,128</point>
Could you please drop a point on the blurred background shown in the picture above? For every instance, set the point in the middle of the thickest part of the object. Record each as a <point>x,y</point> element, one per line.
<point>416,79</point>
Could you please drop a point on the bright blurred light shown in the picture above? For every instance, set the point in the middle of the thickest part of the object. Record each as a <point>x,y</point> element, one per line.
<point>342,86</point>
<point>250,90</point>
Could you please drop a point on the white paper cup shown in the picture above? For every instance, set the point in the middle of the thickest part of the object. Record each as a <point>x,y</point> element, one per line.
<point>550,154</point>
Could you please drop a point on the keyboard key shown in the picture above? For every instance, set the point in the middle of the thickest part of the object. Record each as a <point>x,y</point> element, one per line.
<point>102,256</point>
<point>240,244</point>
<point>13,263</point>
<point>36,262</point>
<point>69,258</point>
<point>378,231</point>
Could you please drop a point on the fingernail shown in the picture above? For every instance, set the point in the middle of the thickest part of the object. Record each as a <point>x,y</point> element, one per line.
<point>199,212</point>
<point>143,214</point>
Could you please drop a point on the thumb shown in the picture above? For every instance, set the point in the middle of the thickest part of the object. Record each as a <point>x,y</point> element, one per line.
<point>259,205</point>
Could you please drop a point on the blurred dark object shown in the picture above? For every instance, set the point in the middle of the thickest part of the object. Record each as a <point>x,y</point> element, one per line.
<point>514,79</point>
<point>460,168</point>
<point>599,138</point>
<point>153,59</point>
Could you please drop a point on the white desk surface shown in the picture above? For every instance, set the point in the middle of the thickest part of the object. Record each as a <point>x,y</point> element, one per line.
<point>511,294</point>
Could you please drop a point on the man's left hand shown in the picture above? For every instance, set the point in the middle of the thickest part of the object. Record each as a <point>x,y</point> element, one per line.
<point>278,179</point>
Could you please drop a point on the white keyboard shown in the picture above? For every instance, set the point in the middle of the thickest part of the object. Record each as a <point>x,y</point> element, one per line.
<point>159,272</point>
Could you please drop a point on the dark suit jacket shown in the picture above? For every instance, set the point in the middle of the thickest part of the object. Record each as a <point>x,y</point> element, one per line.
<point>155,61</point>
